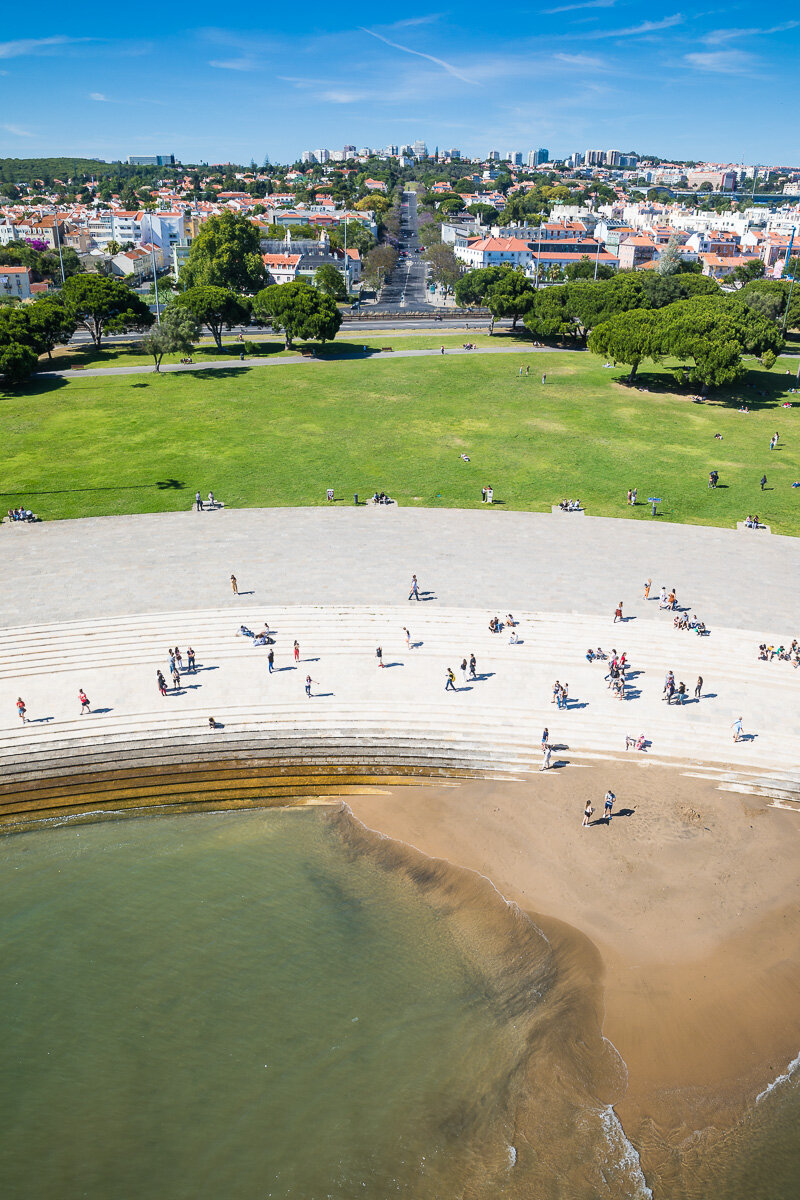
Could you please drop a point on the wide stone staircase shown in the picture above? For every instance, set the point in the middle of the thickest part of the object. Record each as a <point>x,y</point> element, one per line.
<point>365,727</point>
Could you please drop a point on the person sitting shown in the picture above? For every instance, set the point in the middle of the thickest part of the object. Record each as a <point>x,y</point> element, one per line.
<point>699,628</point>
<point>600,653</point>
<point>590,655</point>
<point>796,483</point>
<point>756,521</point>
<point>762,652</point>
<point>510,620</point>
<point>494,625</point>
<point>245,632</point>
<point>672,600</point>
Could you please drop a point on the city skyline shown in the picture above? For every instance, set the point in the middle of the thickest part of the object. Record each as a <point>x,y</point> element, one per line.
<point>564,75</point>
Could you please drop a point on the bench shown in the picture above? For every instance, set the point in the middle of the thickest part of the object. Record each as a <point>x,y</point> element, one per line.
<point>206,506</point>
<point>573,512</point>
<point>387,349</point>
<point>307,353</point>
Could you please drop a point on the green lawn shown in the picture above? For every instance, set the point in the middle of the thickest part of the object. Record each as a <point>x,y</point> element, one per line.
<point>281,436</point>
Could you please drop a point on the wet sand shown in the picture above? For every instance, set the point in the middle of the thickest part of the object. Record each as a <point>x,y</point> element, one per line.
<point>690,897</point>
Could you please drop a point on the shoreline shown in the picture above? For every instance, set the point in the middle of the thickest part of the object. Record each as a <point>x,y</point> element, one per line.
<point>693,915</point>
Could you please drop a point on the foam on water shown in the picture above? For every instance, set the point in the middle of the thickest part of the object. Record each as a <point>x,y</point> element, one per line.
<point>625,1156</point>
<point>783,1078</point>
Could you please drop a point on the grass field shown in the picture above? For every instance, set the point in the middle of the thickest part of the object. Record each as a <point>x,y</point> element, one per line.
<point>281,436</point>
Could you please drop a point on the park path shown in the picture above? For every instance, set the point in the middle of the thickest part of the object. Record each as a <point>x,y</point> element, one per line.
<point>228,364</point>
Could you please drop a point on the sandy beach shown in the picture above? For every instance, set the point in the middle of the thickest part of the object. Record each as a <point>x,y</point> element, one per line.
<point>690,897</point>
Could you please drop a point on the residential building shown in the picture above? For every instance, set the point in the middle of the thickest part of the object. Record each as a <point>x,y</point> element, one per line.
<point>494,251</point>
<point>281,268</point>
<point>721,181</point>
<point>15,281</point>
<point>419,150</point>
<point>635,251</point>
<point>8,231</point>
<point>493,156</point>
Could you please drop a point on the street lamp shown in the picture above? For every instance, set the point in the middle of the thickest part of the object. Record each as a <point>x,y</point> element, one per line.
<point>58,244</point>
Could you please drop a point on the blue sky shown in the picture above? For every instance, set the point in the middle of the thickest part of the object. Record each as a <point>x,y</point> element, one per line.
<point>569,75</point>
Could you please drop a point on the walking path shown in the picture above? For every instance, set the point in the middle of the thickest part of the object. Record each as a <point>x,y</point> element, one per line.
<point>96,604</point>
<point>238,365</point>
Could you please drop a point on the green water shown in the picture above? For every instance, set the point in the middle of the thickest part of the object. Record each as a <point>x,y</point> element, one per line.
<point>233,1006</point>
<point>277,1005</point>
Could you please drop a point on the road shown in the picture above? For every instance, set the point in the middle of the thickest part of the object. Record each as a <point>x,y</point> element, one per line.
<point>405,287</point>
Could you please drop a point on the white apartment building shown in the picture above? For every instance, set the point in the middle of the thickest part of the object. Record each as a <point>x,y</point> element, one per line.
<point>16,282</point>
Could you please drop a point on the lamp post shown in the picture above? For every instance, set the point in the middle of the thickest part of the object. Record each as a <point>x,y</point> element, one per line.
<point>791,285</point>
<point>58,244</point>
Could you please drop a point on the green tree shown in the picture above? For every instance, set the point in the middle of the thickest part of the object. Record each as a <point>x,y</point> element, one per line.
<point>329,281</point>
<point>445,267</point>
<point>379,263</point>
<point>215,307</point>
<point>176,334</point>
<point>50,324</point>
<point>746,272</point>
<point>587,268</point>
<point>300,310</point>
<point>512,296</point>
<point>552,315</point>
<point>227,254</point>
<point>17,363</point>
<point>102,306</point>
<point>471,289</point>
<point>629,337</point>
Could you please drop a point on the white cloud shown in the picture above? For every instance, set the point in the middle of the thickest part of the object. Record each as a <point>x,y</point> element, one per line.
<point>446,66</point>
<point>233,64</point>
<point>33,45</point>
<point>722,62</point>
<point>550,12</point>
<point>718,36</point>
<point>587,62</point>
<point>98,96</point>
<point>17,132</point>
<point>638,30</point>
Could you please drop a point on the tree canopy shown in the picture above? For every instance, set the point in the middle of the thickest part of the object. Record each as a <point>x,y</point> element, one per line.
<point>472,287</point>
<point>216,307</point>
<point>175,335</point>
<point>329,281</point>
<point>445,267</point>
<point>299,310</point>
<point>101,305</point>
<point>226,253</point>
<point>511,296</point>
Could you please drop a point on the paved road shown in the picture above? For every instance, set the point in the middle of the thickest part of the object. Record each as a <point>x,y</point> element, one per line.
<point>235,364</point>
<point>405,287</point>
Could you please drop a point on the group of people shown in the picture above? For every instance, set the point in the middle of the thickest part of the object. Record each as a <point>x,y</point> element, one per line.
<point>753,522</point>
<point>175,668</point>
<point>382,498</point>
<point>632,494</point>
<point>469,670</point>
<point>615,678</point>
<point>682,621</point>
<point>264,638</point>
<point>570,505</point>
<point>487,495</point>
<point>21,514</point>
<point>83,700</point>
<point>200,504</point>
<point>766,653</point>
<point>560,695</point>
<point>679,692</point>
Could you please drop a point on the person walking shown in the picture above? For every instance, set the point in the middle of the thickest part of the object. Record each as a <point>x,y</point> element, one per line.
<point>681,692</point>
<point>211,500</point>
<point>271,660</point>
<point>84,699</point>
<point>546,759</point>
<point>442,349</point>
<point>176,679</point>
<point>161,683</point>
<point>464,669</point>
<point>414,593</point>
<point>698,687</point>
<point>647,587</point>
<point>630,493</point>
<point>608,806</point>
<point>527,370</point>
<point>407,637</point>
<point>520,372</point>
<point>565,695</point>
<point>763,482</point>
<point>379,655</point>
<point>556,698</point>
<point>618,613</point>
<point>544,379</point>
<point>21,709</point>
<point>545,737</point>
<point>737,729</point>
<point>179,658</point>
<point>234,585</point>
<point>588,813</point>
<point>473,663</point>
<point>634,494</point>
<point>309,682</point>
<point>171,660</point>
<point>190,661</point>
<point>198,502</point>
<point>296,651</point>
<point>483,495</point>
<point>450,680</point>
